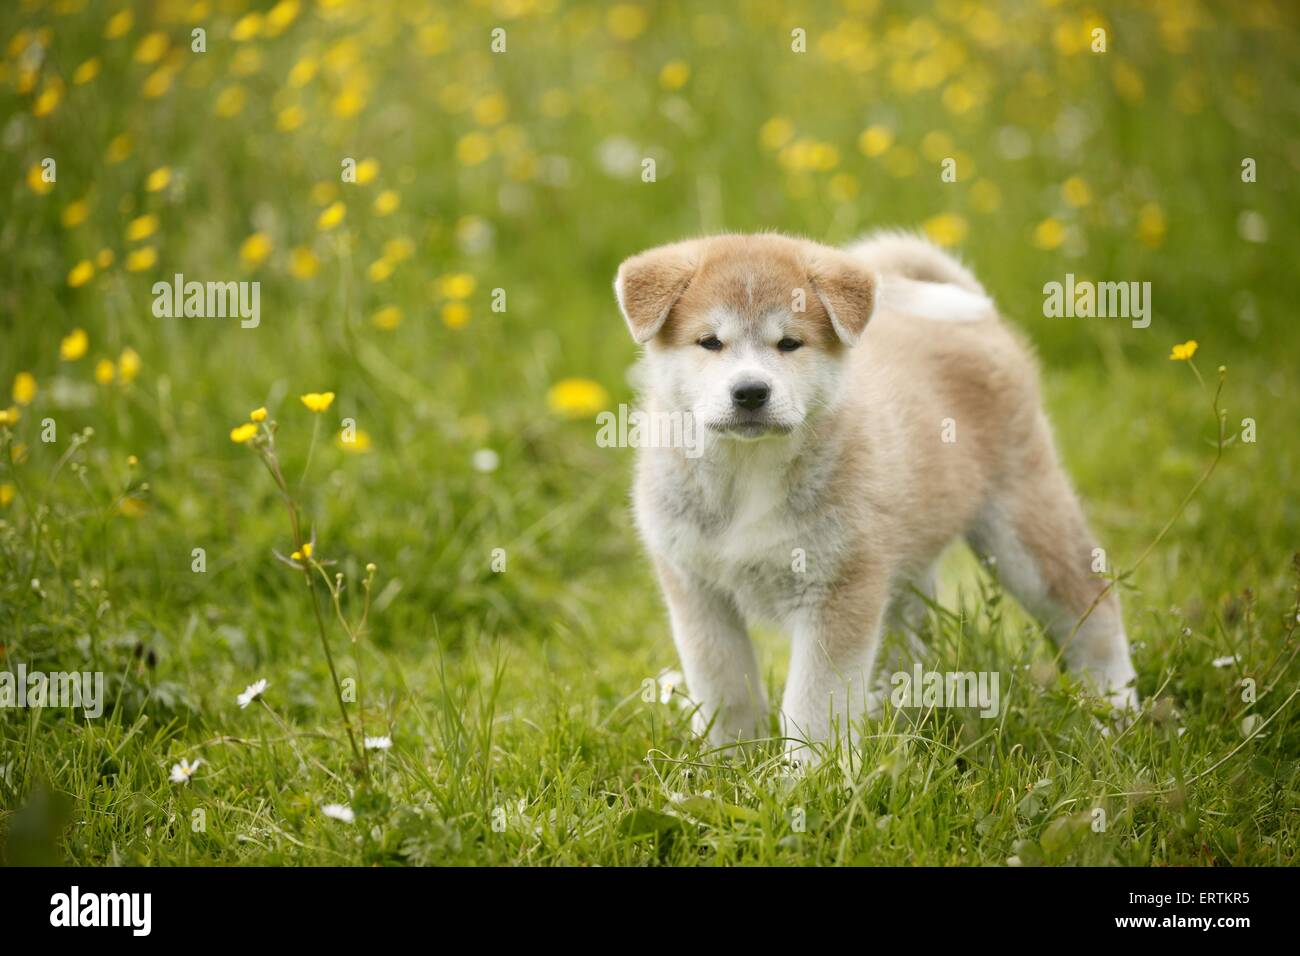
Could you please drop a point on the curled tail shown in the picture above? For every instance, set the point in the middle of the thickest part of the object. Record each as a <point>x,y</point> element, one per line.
<point>918,277</point>
<point>913,257</point>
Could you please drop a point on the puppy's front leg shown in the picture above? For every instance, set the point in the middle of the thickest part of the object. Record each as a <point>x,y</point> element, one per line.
<point>717,657</point>
<point>834,650</point>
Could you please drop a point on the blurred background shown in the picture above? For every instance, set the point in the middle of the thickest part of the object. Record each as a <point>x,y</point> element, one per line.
<point>521,170</point>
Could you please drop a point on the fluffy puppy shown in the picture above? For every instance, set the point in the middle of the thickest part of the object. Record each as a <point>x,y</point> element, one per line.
<point>858,409</point>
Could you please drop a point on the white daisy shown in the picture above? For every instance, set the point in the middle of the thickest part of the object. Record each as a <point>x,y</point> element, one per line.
<point>1227,661</point>
<point>181,772</point>
<point>379,743</point>
<point>252,692</point>
<point>669,681</point>
<point>338,811</point>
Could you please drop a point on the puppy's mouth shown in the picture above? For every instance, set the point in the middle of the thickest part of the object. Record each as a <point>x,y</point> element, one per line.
<point>750,427</point>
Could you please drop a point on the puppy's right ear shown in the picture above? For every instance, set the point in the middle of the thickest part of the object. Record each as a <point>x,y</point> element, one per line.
<point>648,285</point>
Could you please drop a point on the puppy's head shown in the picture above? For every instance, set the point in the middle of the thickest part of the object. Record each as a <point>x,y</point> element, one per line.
<point>749,333</point>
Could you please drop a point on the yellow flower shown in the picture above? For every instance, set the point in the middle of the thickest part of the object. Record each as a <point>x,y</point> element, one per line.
<point>490,110</point>
<point>473,148</point>
<point>81,273</point>
<point>74,213</point>
<point>379,270</point>
<point>318,401</point>
<point>387,318</point>
<point>398,249</point>
<point>1128,82</point>
<point>243,433</point>
<point>119,24</point>
<point>674,75</point>
<point>331,216</point>
<point>128,365</point>
<point>1151,225</point>
<point>875,140</point>
<point>140,259</point>
<point>119,148</point>
<point>359,444</point>
<point>455,315</point>
<point>456,285</point>
<point>157,180</point>
<point>7,492</point>
<point>230,101</point>
<point>290,118</point>
<point>776,132</point>
<point>37,182</point>
<point>48,101</point>
<point>10,415</point>
<point>258,414</point>
<point>1076,192</point>
<point>131,508</point>
<point>254,250</point>
<point>104,258</point>
<point>151,48</point>
<point>387,202</point>
<point>158,82</point>
<point>24,388</point>
<point>74,345</point>
<point>306,549</point>
<point>86,72</point>
<point>348,103</point>
<point>809,154</point>
<point>367,170</point>
<point>1184,352</point>
<point>141,228</point>
<point>104,371</point>
<point>246,27</point>
<point>577,397</point>
<point>625,21</point>
<point>1049,234</point>
<point>18,453</point>
<point>303,263</point>
<point>280,16</point>
<point>302,72</point>
<point>946,229</point>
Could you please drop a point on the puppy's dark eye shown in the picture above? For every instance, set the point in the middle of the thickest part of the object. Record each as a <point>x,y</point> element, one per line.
<point>788,344</point>
<point>711,343</point>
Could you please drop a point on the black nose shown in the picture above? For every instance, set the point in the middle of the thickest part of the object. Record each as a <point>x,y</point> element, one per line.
<point>750,395</point>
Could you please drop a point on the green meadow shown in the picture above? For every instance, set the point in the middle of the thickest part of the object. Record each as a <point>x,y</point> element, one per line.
<point>463,662</point>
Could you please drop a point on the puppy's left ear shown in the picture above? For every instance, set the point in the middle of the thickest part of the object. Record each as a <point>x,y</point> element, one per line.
<point>846,289</point>
<point>648,286</point>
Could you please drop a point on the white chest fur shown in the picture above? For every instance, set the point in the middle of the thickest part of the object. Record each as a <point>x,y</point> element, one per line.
<point>740,530</point>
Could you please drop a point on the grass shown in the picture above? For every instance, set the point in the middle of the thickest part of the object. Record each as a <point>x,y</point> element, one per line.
<point>514,700</point>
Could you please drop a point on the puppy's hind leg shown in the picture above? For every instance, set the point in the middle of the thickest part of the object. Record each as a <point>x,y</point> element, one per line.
<point>1045,554</point>
<point>905,623</point>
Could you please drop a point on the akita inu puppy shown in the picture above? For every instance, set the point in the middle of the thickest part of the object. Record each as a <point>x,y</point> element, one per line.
<point>860,409</point>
